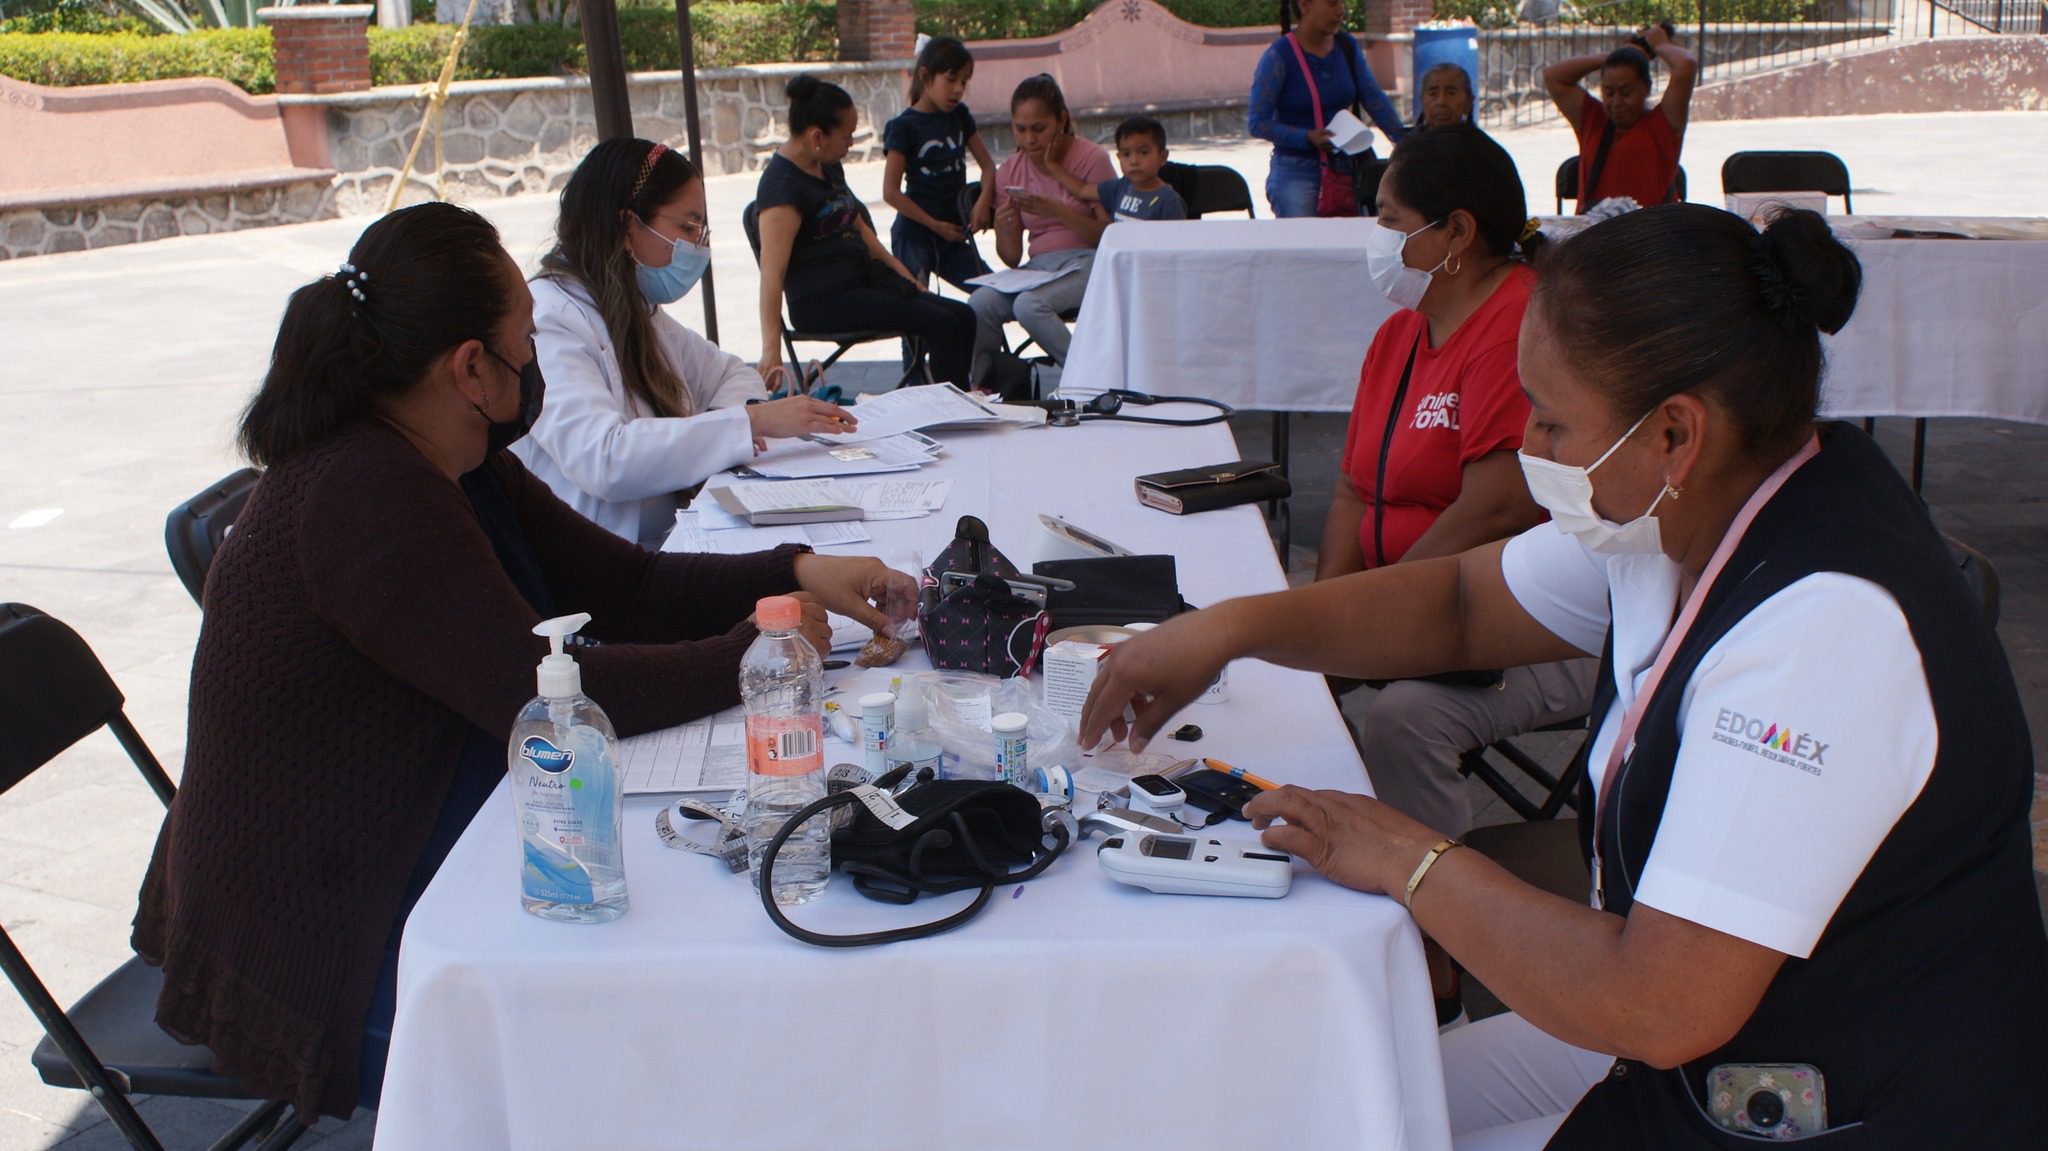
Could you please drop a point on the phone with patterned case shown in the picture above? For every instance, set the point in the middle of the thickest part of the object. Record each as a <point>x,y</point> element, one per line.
<point>1768,1100</point>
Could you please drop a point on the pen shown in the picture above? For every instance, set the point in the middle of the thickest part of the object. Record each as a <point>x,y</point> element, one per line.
<point>1240,773</point>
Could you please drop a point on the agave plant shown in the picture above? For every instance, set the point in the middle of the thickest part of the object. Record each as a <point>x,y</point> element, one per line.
<point>181,16</point>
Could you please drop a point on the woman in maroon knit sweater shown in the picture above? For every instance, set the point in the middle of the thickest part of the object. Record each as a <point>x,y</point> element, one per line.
<point>367,642</point>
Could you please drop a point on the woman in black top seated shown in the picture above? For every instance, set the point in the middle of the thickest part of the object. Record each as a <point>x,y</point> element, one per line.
<point>818,248</point>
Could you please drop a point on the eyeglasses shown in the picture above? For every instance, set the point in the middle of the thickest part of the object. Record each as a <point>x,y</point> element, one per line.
<point>698,234</point>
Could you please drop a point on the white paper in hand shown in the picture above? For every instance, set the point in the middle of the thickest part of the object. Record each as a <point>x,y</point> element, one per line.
<point>1349,134</point>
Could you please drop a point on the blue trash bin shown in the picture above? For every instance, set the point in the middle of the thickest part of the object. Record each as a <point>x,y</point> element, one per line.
<point>1444,44</point>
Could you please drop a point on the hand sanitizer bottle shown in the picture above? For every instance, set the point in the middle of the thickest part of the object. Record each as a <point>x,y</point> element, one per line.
<point>563,760</point>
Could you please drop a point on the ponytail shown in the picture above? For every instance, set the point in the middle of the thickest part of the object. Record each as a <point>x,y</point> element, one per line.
<point>417,283</point>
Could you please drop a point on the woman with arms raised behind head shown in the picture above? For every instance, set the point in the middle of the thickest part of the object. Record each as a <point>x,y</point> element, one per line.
<point>640,408</point>
<point>368,641</point>
<point>1810,775</point>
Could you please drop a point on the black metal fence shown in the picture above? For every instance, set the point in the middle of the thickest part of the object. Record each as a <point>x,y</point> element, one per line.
<point>1999,16</point>
<point>1726,42</point>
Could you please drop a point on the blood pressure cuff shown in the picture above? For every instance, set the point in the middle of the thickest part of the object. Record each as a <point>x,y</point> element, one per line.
<point>938,837</point>
<point>1113,590</point>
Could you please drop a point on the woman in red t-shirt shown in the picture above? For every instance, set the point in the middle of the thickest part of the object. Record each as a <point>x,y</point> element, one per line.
<point>1626,147</point>
<point>1429,465</point>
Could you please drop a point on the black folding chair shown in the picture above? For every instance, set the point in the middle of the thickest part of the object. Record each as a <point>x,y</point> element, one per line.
<point>196,528</point>
<point>108,1043</point>
<point>1568,183</point>
<point>1209,188</point>
<point>1560,790</point>
<point>1824,172</point>
<point>843,342</point>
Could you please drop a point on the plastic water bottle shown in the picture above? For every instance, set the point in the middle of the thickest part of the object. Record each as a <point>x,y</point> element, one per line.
<point>782,683</point>
<point>563,759</point>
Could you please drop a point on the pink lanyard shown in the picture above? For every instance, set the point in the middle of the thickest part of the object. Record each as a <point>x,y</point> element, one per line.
<point>1633,718</point>
<point>1315,99</point>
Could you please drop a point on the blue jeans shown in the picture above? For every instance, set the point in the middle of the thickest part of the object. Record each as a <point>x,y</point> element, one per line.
<point>1292,184</point>
<point>923,252</point>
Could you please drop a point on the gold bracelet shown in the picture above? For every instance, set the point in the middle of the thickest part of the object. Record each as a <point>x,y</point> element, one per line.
<point>1422,869</point>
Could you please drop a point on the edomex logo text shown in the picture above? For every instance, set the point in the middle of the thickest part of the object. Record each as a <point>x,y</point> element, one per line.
<point>1774,741</point>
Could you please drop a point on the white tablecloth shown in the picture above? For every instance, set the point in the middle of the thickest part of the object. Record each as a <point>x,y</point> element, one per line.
<point>1944,328</point>
<point>1267,315</point>
<point>1078,1013</point>
<point>1276,315</point>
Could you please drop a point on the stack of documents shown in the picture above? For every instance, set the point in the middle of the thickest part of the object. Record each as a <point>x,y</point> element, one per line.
<point>809,459</point>
<point>709,526</point>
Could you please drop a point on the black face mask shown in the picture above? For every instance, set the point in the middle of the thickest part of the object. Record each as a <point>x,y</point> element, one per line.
<point>532,392</point>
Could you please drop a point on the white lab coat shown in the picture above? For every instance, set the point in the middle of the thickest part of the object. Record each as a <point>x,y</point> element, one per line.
<point>599,447</point>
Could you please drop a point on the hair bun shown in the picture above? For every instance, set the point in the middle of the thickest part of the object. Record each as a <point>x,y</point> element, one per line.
<point>1808,276</point>
<point>802,86</point>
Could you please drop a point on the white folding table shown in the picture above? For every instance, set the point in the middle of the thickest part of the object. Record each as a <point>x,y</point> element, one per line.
<point>1072,1012</point>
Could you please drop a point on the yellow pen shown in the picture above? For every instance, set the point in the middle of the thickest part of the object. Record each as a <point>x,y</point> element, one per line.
<point>1240,773</point>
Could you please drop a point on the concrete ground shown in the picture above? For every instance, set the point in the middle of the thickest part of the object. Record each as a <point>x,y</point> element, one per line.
<point>124,371</point>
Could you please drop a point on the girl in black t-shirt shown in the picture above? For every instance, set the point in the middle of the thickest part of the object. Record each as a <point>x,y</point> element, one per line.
<point>819,250</point>
<point>925,178</point>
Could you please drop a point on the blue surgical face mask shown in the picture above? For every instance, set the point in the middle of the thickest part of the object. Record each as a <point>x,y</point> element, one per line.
<point>687,263</point>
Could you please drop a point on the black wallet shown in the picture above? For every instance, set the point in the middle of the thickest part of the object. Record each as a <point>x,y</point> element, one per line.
<point>1215,486</point>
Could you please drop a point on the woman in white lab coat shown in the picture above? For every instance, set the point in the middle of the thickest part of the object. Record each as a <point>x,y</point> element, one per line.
<point>639,408</point>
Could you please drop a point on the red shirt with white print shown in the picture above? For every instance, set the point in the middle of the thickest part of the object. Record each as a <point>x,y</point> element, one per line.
<point>1463,400</point>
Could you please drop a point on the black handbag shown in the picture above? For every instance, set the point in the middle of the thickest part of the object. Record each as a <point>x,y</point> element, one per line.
<point>995,623</point>
<point>946,835</point>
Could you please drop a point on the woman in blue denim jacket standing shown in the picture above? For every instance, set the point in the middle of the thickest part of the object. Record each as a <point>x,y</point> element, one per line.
<point>1282,111</point>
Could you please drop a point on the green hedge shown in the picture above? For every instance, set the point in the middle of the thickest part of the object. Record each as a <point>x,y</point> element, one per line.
<point>241,56</point>
<point>727,34</point>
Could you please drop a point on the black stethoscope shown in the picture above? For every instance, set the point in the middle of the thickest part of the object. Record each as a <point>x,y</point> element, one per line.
<point>1110,406</point>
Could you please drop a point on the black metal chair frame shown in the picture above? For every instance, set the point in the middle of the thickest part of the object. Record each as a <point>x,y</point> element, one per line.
<point>1560,790</point>
<point>1824,172</point>
<point>61,693</point>
<point>195,529</point>
<point>1567,186</point>
<point>843,342</point>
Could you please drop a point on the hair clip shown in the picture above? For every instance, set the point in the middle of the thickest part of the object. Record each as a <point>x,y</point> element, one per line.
<point>354,280</point>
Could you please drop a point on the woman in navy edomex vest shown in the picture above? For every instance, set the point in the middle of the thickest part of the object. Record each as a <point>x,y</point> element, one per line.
<point>1811,906</point>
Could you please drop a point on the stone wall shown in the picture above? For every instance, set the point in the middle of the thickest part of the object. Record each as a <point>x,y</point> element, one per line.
<point>509,137</point>
<point>1965,74</point>
<point>54,228</point>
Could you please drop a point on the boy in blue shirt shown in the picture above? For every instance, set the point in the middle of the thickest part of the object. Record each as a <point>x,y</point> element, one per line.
<point>1140,193</point>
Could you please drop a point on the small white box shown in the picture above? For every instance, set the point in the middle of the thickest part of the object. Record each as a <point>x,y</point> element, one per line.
<point>1069,672</point>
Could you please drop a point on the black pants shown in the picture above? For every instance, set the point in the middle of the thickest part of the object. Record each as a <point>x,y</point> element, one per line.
<point>946,326</point>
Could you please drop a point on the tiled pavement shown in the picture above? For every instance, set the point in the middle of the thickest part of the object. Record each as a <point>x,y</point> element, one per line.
<point>122,371</point>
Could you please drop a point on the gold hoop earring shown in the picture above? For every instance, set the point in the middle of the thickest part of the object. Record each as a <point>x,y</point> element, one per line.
<point>1453,266</point>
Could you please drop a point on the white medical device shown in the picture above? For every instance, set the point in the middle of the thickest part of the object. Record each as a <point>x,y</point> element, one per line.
<point>1196,865</point>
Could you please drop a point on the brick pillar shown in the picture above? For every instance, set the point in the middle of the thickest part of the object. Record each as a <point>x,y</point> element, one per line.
<point>1387,17</point>
<point>320,48</point>
<point>877,30</point>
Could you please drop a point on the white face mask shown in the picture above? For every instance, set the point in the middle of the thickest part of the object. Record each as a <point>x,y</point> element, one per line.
<point>1396,281</point>
<point>1566,493</point>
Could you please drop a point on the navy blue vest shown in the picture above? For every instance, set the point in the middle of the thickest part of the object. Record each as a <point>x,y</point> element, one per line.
<point>1925,1002</point>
